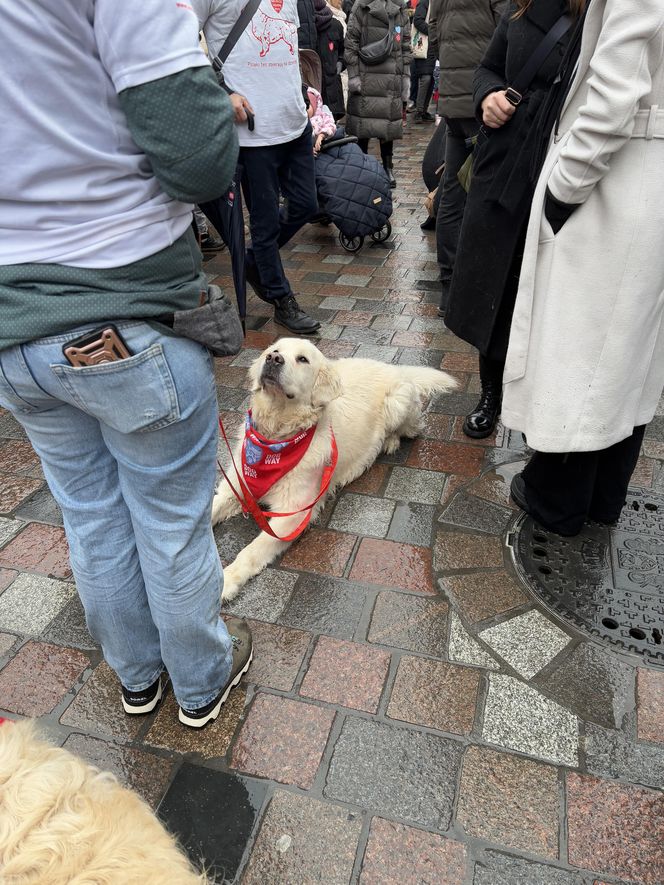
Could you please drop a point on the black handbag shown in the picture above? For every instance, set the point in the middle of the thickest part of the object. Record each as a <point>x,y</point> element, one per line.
<point>377,52</point>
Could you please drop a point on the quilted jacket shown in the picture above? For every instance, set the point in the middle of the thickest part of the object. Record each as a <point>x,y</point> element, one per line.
<point>353,189</point>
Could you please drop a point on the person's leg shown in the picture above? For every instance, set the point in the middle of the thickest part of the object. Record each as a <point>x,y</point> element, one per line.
<point>363,144</point>
<point>481,422</point>
<point>424,93</point>
<point>297,179</point>
<point>559,488</point>
<point>452,203</point>
<point>386,154</point>
<point>412,96</point>
<point>261,186</point>
<point>615,467</point>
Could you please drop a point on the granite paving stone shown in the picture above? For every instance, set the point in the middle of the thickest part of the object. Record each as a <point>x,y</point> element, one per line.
<point>38,677</point>
<point>509,801</point>
<point>371,481</point>
<point>264,597</point>
<point>650,709</point>
<point>304,841</point>
<point>454,403</point>
<point>519,718</point>
<point>396,853</point>
<point>40,548</point>
<point>9,528</point>
<point>412,524</point>
<point>395,772</point>
<point>526,642</point>
<point>393,564</point>
<point>484,595</point>
<point>321,551</point>
<point>278,655</point>
<point>449,707</point>
<point>501,869</point>
<point>40,507</point>
<point>495,485</point>
<point>14,490</point>
<point>145,773</point>
<point>325,605</point>
<point>282,740</point>
<point>7,575</point>
<point>31,602</point>
<point>611,753</point>
<point>435,426</point>
<point>446,457</point>
<point>246,357</point>
<point>615,829</point>
<point>468,512</point>
<point>212,742</point>
<point>69,627</point>
<point>413,623</point>
<point>347,674</point>
<point>455,551</point>
<point>362,514</point>
<point>97,707</point>
<point>377,352</point>
<point>7,642</point>
<point>465,650</point>
<point>592,682</point>
<point>234,534</point>
<point>419,486</point>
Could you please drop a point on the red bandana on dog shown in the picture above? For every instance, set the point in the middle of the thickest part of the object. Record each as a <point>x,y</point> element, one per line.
<point>265,461</point>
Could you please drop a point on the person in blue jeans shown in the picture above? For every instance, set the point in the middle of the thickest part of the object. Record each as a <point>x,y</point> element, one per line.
<point>95,230</point>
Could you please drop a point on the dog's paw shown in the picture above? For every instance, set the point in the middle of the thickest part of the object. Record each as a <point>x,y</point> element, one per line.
<point>223,507</point>
<point>232,584</point>
<point>391,444</point>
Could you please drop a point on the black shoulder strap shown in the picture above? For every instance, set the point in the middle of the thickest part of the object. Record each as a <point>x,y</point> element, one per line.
<point>236,32</point>
<point>527,73</point>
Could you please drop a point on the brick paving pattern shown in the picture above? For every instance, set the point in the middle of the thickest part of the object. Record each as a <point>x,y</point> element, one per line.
<point>412,715</point>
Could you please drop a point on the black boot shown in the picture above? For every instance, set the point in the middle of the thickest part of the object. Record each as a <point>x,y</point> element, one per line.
<point>482,422</point>
<point>288,313</point>
<point>387,166</point>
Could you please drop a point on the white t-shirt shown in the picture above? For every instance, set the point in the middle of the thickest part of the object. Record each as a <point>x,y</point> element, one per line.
<point>263,65</point>
<point>75,189</point>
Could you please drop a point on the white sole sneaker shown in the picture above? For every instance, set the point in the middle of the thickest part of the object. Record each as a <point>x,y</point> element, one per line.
<point>199,722</point>
<point>134,710</point>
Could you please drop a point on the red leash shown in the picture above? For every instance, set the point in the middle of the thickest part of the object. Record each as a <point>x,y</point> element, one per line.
<point>250,505</point>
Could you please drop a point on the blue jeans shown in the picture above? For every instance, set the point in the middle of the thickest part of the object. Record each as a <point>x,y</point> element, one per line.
<point>286,169</point>
<point>128,450</point>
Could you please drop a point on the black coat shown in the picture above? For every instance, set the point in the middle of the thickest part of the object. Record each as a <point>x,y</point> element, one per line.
<point>423,66</point>
<point>331,52</point>
<point>488,259</point>
<point>307,36</point>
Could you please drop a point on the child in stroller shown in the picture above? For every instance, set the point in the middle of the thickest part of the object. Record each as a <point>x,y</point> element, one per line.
<point>352,187</point>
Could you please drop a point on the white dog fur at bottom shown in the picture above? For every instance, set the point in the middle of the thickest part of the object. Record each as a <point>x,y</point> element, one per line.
<point>368,404</point>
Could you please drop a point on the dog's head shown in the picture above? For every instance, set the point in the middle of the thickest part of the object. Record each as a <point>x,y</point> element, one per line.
<point>294,370</point>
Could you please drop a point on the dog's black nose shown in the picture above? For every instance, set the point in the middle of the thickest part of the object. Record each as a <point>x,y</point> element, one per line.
<point>275,358</point>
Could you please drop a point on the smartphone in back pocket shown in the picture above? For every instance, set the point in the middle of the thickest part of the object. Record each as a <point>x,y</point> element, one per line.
<point>103,345</point>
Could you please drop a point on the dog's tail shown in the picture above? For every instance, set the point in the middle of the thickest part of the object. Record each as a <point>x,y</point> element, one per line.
<point>427,380</point>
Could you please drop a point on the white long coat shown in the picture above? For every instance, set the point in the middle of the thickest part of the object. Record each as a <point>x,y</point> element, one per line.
<point>585,363</point>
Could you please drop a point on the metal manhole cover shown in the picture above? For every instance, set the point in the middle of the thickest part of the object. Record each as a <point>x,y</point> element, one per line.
<point>608,583</point>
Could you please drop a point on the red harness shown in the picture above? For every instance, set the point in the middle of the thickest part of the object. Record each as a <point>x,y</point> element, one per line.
<point>252,487</point>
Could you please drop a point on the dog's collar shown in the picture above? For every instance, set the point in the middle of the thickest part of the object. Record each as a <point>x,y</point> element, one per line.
<point>266,461</point>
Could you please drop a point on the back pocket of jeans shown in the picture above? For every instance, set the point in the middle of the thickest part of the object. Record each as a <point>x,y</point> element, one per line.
<point>136,394</point>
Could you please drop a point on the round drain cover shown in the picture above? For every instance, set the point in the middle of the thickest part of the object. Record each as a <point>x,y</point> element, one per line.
<point>606,582</point>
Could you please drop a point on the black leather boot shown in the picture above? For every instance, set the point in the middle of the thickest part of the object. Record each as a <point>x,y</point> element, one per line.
<point>387,166</point>
<point>482,422</point>
<point>288,313</point>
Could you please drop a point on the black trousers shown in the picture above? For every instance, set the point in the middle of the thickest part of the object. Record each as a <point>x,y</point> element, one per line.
<point>386,148</point>
<point>563,491</point>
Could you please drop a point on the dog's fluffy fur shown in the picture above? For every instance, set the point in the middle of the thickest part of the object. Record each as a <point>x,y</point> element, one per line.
<point>370,406</point>
<point>62,822</point>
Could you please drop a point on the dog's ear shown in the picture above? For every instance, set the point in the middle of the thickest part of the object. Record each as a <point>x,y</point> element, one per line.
<point>327,385</point>
<point>254,373</point>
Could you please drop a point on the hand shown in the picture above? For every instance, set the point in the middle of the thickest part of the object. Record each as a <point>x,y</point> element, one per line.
<point>496,110</point>
<point>318,143</point>
<point>239,103</point>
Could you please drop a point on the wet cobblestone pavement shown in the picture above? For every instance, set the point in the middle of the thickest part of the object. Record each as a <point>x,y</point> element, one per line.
<point>412,714</point>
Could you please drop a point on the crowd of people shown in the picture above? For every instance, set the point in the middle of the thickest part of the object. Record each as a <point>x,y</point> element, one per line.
<point>551,265</point>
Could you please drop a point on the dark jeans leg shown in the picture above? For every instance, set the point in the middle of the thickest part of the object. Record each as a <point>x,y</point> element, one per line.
<point>564,490</point>
<point>424,92</point>
<point>452,197</point>
<point>413,80</point>
<point>491,371</point>
<point>615,467</point>
<point>297,179</point>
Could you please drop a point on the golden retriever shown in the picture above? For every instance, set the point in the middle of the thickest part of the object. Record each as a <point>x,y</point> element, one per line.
<point>63,822</point>
<point>369,405</point>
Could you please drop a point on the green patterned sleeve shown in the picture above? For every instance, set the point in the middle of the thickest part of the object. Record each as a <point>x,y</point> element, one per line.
<point>184,125</point>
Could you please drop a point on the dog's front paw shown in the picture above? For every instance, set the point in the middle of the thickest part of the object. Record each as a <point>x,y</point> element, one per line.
<point>232,584</point>
<point>391,444</point>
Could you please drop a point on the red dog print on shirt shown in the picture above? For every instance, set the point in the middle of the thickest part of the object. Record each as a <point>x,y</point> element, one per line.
<point>268,30</point>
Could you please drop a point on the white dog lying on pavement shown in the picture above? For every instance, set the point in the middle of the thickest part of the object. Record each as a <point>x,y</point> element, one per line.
<point>367,405</point>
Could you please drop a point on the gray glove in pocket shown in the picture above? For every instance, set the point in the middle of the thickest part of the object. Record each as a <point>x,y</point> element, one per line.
<point>215,324</point>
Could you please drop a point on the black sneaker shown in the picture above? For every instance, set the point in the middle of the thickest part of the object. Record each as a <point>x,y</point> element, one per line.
<point>243,653</point>
<point>137,703</point>
<point>288,313</point>
<point>210,245</point>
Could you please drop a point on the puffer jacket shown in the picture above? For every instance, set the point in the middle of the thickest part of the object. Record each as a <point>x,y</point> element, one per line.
<point>376,92</point>
<point>307,35</point>
<point>459,33</point>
